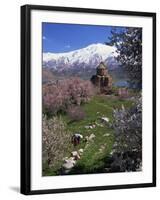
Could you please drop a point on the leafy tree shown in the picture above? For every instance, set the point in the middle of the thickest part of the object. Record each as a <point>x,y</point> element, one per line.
<point>128,42</point>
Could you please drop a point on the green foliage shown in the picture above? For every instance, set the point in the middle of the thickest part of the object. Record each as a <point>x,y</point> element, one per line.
<point>93,160</point>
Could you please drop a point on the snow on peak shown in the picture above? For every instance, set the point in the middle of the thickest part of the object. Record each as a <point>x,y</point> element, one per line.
<point>88,56</point>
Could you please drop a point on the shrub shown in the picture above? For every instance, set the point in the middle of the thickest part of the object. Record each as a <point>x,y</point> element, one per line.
<point>128,135</point>
<point>55,141</point>
<point>115,90</point>
<point>76,113</point>
<point>57,97</point>
<point>123,92</point>
<point>128,127</point>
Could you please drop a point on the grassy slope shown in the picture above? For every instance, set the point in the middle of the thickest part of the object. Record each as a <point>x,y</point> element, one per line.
<point>92,157</point>
<point>96,150</point>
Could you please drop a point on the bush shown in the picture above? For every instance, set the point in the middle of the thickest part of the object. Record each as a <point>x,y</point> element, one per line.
<point>56,141</point>
<point>128,127</point>
<point>76,113</point>
<point>115,90</point>
<point>127,124</point>
<point>57,97</point>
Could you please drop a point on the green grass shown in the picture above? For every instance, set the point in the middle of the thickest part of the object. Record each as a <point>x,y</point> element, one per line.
<point>92,157</point>
<point>96,150</point>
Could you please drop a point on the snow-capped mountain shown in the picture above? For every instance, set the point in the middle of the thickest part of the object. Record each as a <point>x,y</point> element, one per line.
<point>81,59</point>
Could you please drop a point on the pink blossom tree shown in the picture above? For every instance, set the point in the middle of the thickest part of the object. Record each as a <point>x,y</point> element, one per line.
<point>57,97</point>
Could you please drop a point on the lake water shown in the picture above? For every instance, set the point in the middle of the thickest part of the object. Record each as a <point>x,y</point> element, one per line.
<point>121,83</point>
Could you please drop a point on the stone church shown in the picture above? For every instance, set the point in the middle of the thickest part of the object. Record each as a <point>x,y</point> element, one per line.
<point>102,79</point>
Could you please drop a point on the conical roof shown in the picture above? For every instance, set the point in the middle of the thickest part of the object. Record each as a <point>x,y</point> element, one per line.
<point>101,66</point>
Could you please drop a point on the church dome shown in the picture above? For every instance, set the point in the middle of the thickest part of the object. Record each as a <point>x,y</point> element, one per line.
<point>102,79</point>
<point>101,66</point>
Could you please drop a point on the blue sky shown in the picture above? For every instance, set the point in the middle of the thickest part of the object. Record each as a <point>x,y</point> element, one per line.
<point>58,38</point>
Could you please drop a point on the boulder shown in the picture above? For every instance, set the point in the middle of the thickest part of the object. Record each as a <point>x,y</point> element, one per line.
<point>74,153</point>
<point>98,124</point>
<point>90,126</point>
<point>68,165</point>
<point>106,134</point>
<point>71,159</point>
<point>86,138</point>
<point>91,137</point>
<point>80,151</point>
<point>105,119</point>
<point>65,158</point>
<point>102,147</point>
<point>77,157</point>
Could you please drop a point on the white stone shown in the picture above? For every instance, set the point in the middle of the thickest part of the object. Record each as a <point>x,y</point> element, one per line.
<point>74,153</point>
<point>65,158</point>
<point>71,159</point>
<point>92,136</point>
<point>80,151</point>
<point>86,138</point>
<point>112,152</point>
<point>68,165</point>
<point>77,157</point>
<point>107,134</point>
<point>105,119</point>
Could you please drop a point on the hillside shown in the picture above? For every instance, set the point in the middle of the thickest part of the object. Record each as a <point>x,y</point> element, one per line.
<point>101,145</point>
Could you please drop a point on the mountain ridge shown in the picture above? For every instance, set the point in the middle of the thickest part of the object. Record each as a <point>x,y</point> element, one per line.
<point>85,58</point>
